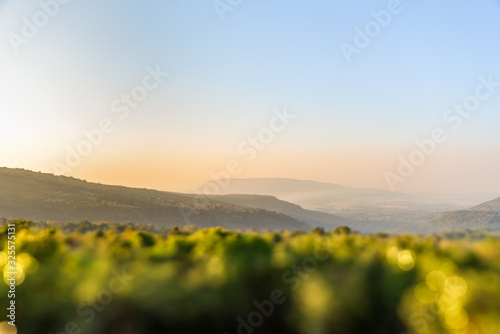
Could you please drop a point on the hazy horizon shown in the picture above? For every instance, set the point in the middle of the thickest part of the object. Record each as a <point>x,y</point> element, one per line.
<point>350,117</point>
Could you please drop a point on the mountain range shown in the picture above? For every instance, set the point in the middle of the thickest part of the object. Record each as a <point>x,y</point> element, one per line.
<point>39,196</point>
<point>306,193</point>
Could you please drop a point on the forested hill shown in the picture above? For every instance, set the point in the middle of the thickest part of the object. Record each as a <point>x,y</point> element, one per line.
<point>466,219</point>
<point>39,196</point>
<point>271,203</point>
<point>482,216</point>
<point>493,205</point>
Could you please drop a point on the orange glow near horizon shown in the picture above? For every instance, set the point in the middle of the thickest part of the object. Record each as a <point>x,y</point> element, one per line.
<point>184,172</point>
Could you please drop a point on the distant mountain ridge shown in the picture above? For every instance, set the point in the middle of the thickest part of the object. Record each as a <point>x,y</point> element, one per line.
<point>271,203</point>
<point>303,192</point>
<point>39,196</point>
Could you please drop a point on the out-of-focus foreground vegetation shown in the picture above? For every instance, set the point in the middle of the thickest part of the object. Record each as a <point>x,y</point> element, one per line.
<point>116,278</point>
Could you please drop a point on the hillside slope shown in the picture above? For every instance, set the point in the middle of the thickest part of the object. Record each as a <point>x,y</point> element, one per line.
<point>271,203</point>
<point>466,219</point>
<point>305,193</point>
<point>482,216</point>
<point>493,205</point>
<point>38,196</point>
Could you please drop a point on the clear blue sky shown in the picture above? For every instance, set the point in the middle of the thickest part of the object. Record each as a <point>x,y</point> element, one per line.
<point>353,120</point>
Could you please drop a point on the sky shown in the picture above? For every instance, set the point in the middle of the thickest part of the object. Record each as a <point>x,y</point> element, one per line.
<point>333,91</point>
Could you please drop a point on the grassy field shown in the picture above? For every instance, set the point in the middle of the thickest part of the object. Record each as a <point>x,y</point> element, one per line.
<point>111,278</point>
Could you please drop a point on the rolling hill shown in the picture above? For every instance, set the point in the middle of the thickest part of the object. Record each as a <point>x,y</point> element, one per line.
<point>271,203</point>
<point>368,209</point>
<point>309,194</point>
<point>39,196</point>
<point>466,219</point>
<point>493,205</point>
<point>482,216</point>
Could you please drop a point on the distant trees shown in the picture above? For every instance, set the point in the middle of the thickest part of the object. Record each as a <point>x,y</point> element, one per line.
<point>342,230</point>
<point>318,230</point>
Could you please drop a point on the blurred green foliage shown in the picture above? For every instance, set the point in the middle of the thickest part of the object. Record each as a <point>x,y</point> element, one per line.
<point>125,278</point>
